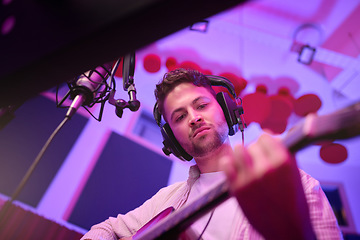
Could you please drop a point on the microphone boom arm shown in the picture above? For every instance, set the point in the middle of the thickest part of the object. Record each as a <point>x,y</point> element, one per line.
<point>128,84</point>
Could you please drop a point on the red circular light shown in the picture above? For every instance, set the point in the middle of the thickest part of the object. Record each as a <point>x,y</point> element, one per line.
<point>274,125</point>
<point>333,153</point>
<point>256,107</point>
<point>171,63</point>
<point>190,65</point>
<point>309,103</point>
<point>261,89</point>
<point>152,63</point>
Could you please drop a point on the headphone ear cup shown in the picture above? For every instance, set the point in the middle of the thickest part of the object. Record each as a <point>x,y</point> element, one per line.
<point>171,145</point>
<point>157,115</point>
<point>229,107</point>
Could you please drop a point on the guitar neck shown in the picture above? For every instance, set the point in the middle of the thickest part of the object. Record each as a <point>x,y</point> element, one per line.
<point>342,124</point>
<point>180,220</point>
<point>339,125</point>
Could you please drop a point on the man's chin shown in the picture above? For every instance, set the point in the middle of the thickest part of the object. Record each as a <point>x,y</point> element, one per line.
<point>204,148</point>
<point>204,144</point>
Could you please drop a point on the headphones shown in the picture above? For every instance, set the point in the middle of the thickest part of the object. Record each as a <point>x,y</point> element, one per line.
<point>232,111</point>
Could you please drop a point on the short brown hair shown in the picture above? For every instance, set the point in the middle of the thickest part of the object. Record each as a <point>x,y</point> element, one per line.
<point>174,78</point>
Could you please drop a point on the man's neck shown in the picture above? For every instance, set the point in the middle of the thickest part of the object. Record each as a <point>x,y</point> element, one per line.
<point>210,162</point>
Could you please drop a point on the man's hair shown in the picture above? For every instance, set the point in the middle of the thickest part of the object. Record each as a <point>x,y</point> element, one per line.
<point>176,77</point>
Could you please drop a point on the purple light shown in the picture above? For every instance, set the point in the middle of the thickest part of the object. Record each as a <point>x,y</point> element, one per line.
<point>6,2</point>
<point>7,25</point>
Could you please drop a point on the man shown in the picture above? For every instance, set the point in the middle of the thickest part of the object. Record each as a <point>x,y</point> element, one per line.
<point>272,198</point>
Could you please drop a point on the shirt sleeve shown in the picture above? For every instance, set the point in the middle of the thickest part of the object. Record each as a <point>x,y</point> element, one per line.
<point>321,214</point>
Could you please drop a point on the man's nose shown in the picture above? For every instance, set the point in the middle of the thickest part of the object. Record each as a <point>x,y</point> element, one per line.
<point>195,119</point>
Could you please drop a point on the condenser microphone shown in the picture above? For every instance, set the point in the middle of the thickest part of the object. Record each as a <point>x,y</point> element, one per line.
<point>87,86</point>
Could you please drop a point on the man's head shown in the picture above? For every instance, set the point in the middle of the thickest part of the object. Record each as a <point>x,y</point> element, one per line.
<point>188,104</point>
<point>176,77</point>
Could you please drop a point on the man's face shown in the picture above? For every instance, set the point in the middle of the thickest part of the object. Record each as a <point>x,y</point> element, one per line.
<point>196,119</point>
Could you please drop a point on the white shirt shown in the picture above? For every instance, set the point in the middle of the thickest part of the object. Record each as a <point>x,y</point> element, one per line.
<point>223,216</point>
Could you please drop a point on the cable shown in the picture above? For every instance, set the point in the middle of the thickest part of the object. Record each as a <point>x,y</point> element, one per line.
<point>31,169</point>
<point>207,224</point>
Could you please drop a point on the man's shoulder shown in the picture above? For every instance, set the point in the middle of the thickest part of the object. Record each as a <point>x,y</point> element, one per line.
<point>308,182</point>
<point>173,187</point>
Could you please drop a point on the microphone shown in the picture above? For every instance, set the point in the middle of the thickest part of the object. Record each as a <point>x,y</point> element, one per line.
<point>86,88</point>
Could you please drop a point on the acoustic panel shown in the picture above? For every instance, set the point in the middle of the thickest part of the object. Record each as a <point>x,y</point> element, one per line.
<point>125,175</point>
<point>22,139</point>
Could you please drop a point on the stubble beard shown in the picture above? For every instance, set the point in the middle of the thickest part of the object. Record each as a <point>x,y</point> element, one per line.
<point>207,143</point>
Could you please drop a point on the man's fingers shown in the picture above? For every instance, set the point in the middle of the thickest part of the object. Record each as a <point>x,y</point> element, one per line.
<point>227,165</point>
<point>237,168</point>
<point>275,151</point>
<point>255,161</point>
<point>251,164</point>
<point>233,164</point>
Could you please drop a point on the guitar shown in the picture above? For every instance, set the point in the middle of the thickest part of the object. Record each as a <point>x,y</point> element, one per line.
<point>341,124</point>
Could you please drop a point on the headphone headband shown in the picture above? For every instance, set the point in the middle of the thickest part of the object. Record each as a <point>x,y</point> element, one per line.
<point>223,82</point>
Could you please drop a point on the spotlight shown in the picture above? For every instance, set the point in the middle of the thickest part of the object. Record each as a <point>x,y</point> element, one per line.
<point>201,26</point>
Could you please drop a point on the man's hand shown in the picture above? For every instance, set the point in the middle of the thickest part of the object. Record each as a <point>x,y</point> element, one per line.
<point>266,182</point>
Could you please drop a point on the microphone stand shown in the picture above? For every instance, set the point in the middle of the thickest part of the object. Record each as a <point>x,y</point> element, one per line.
<point>128,84</point>
<point>133,104</point>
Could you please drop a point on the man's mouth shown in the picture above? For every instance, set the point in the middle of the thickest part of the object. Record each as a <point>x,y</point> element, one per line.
<point>199,130</point>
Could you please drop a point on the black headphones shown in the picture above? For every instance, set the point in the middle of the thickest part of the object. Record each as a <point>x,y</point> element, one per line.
<point>232,111</point>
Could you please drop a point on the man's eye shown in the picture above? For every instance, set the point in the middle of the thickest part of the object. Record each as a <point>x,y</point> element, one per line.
<point>202,106</point>
<point>179,118</point>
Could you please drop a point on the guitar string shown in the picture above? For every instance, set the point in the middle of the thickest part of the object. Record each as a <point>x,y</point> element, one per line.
<point>207,224</point>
